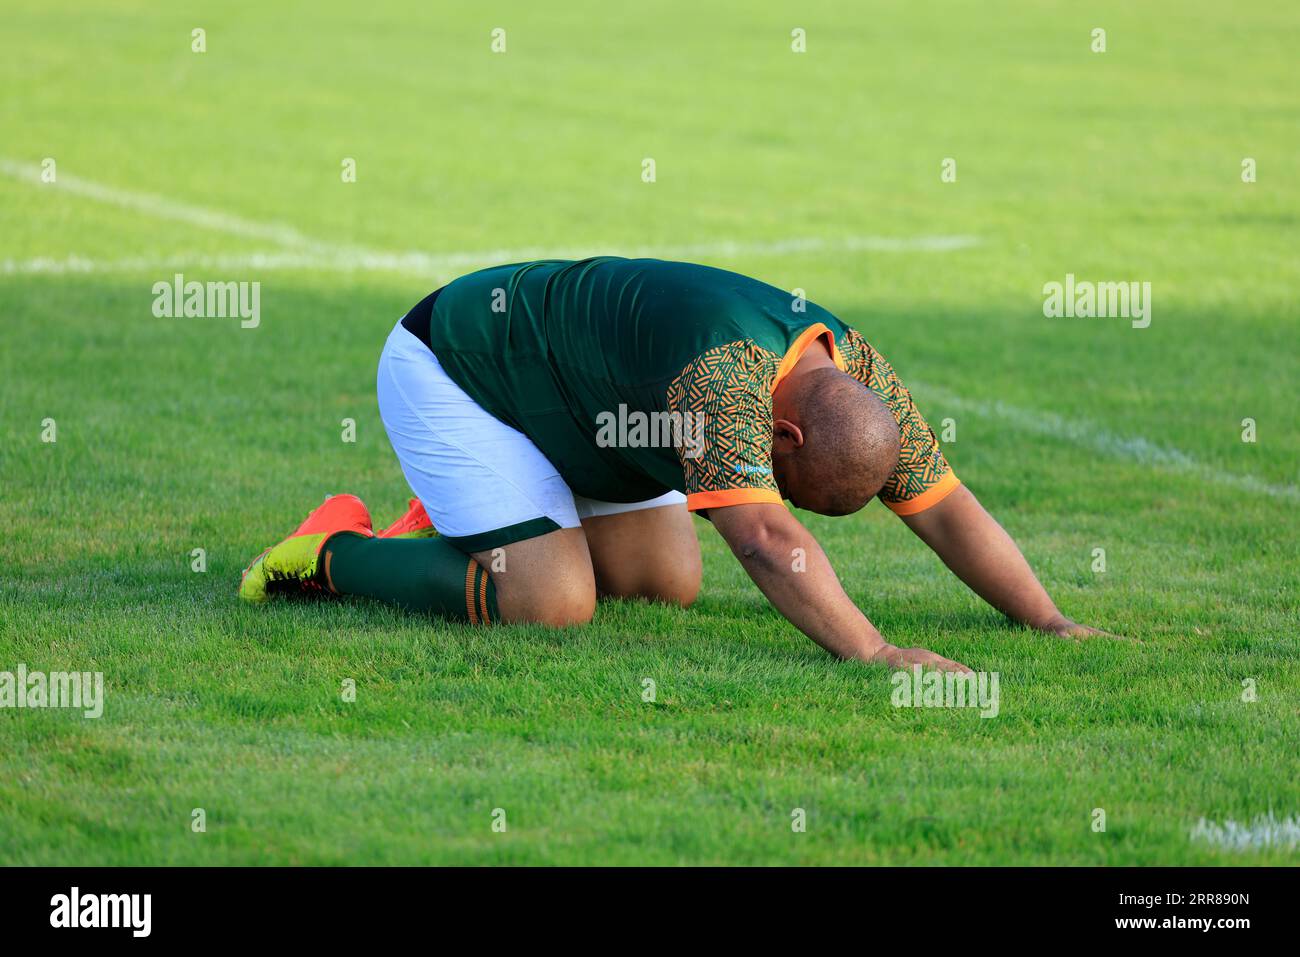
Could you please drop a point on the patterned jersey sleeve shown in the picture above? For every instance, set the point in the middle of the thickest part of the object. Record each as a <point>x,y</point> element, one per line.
<point>724,400</point>
<point>923,477</point>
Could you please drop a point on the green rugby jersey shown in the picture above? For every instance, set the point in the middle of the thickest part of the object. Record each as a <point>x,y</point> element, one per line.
<point>636,376</point>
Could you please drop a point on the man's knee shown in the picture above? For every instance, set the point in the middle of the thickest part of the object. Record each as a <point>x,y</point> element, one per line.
<point>678,586</point>
<point>571,603</point>
<point>651,554</point>
<point>659,579</point>
<point>545,580</point>
<point>686,592</point>
<point>670,582</point>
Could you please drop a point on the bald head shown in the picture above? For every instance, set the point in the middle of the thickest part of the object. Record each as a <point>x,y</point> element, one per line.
<point>849,444</point>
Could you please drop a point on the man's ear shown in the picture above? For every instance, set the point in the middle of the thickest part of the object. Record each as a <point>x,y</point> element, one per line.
<point>786,437</point>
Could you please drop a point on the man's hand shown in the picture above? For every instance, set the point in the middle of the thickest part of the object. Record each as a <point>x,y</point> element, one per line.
<point>790,568</point>
<point>1063,627</point>
<point>901,658</point>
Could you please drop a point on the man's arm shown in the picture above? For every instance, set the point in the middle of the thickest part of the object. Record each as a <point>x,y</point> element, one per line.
<point>764,538</point>
<point>982,554</point>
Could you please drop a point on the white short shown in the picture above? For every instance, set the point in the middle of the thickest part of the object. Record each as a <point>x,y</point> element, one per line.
<point>483,483</point>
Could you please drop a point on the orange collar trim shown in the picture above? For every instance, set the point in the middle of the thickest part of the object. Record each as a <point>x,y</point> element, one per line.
<point>800,346</point>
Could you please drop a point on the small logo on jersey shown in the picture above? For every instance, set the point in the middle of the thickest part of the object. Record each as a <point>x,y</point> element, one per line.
<point>635,429</point>
<point>751,469</point>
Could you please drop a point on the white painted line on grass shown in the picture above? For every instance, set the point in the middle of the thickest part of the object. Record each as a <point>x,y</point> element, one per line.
<point>158,206</point>
<point>303,252</point>
<point>452,264</point>
<point>1264,831</point>
<point>1130,448</point>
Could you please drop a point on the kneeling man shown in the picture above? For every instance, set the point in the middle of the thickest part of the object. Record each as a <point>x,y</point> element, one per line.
<point>559,421</point>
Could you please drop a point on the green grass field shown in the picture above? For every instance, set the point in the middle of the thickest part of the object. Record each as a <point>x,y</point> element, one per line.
<point>1078,434</point>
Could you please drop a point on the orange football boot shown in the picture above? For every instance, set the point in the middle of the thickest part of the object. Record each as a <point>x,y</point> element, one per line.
<point>414,524</point>
<point>297,558</point>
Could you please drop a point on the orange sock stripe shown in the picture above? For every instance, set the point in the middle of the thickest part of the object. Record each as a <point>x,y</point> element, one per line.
<point>482,596</point>
<point>469,592</point>
<point>329,582</point>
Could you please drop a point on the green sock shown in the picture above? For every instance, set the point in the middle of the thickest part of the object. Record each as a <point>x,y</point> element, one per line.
<point>418,574</point>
